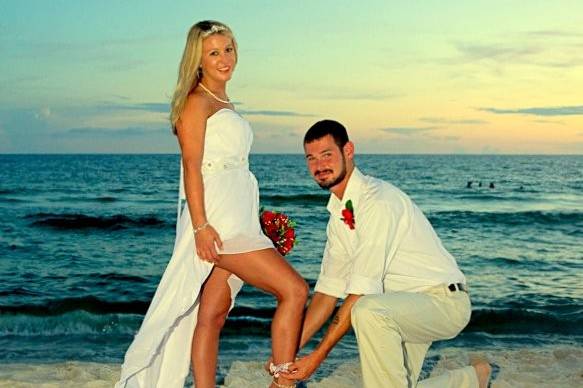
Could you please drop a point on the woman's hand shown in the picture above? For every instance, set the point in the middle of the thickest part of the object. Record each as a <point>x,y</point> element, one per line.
<point>207,241</point>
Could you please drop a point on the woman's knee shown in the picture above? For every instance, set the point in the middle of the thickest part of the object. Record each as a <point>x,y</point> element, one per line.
<point>214,320</point>
<point>297,291</point>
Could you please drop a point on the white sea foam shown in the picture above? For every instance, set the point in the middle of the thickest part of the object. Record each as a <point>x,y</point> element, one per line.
<point>560,366</point>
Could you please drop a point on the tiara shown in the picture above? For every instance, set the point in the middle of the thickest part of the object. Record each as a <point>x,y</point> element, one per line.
<point>215,28</point>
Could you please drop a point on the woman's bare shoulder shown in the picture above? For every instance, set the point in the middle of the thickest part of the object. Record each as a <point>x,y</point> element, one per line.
<point>195,112</point>
<point>197,103</point>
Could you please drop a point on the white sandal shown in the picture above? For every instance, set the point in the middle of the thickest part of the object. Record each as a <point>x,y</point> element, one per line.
<point>275,370</point>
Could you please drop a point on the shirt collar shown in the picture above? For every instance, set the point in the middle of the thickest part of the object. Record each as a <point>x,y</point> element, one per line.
<point>354,188</point>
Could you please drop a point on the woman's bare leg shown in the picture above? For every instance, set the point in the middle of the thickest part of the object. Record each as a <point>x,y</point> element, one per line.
<point>215,301</point>
<point>268,271</point>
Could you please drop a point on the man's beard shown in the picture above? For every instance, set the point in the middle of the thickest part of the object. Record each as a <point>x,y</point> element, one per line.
<point>337,180</point>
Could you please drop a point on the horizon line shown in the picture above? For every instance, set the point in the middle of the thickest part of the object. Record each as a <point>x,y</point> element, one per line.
<point>282,153</point>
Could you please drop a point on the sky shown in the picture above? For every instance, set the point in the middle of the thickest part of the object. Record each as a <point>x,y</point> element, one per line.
<point>431,77</point>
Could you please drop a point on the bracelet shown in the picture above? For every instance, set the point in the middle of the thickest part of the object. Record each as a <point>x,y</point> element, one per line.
<point>278,385</point>
<point>199,228</point>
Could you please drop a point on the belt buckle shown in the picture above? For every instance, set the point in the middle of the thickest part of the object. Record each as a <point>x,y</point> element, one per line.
<point>457,287</point>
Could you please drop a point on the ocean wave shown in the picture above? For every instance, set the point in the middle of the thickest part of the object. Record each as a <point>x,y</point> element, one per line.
<point>558,318</point>
<point>103,199</point>
<point>516,262</point>
<point>458,217</point>
<point>32,321</point>
<point>19,291</point>
<point>566,320</point>
<point>120,277</point>
<point>497,197</point>
<point>11,191</point>
<point>82,221</point>
<point>70,324</point>
<point>302,199</point>
<point>12,200</point>
<point>69,199</point>
<point>525,321</point>
<point>88,303</point>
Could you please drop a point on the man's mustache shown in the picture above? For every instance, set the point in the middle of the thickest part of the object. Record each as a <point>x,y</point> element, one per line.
<point>318,172</point>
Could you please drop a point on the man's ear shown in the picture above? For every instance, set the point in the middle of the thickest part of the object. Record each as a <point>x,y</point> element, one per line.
<point>348,150</point>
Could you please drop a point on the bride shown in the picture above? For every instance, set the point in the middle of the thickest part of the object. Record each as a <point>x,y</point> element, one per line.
<point>219,243</point>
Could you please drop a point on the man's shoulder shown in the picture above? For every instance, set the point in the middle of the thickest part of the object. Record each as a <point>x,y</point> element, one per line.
<point>379,191</point>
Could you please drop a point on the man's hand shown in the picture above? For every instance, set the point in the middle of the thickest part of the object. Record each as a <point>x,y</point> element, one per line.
<point>303,368</point>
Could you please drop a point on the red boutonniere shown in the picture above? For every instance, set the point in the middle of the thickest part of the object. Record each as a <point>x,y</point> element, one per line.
<point>348,215</point>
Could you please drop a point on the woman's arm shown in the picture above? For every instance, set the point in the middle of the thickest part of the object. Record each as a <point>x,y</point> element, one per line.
<point>191,133</point>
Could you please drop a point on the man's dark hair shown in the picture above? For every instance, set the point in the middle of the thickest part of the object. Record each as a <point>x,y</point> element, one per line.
<point>327,127</point>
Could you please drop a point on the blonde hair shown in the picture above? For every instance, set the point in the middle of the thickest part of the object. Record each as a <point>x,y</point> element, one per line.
<point>188,73</point>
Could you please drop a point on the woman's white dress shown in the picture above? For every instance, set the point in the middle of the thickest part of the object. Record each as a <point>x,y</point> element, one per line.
<point>159,355</point>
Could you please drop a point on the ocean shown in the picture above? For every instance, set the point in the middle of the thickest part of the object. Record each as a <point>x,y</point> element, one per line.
<point>84,240</point>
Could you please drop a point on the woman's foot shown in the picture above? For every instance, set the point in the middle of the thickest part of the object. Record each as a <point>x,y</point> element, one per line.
<point>483,371</point>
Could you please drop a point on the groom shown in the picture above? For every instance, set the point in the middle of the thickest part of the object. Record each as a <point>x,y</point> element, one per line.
<point>402,290</point>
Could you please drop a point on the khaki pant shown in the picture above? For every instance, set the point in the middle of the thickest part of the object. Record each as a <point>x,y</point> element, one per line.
<point>394,331</point>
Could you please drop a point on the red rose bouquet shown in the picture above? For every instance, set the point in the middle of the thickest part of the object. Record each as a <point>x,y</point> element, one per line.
<point>280,229</point>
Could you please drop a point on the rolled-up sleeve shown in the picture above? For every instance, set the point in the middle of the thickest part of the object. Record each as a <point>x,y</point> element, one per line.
<point>379,230</point>
<point>335,268</point>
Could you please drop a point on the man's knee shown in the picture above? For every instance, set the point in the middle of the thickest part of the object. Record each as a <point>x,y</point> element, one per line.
<point>366,313</point>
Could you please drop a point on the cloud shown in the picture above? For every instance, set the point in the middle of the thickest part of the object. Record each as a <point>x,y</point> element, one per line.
<point>441,120</point>
<point>545,48</point>
<point>275,138</point>
<point>120,97</point>
<point>496,52</point>
<point>420,143</point>
<point>408,131</point>
<point>44,131</point>
<point>556,33</point>
<point>445,138</point>
<point>147,139</point>
<point>540,111</point>
<point>157,107</point>
<point>279,113</point>
<point>549,122</point>
<point>114,132</point>
<point>367,96</point>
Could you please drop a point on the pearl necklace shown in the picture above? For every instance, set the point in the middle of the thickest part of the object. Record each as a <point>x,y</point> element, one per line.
<point>213,95</point>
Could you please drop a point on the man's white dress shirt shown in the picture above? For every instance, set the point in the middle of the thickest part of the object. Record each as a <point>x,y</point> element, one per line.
<point>392,248</point>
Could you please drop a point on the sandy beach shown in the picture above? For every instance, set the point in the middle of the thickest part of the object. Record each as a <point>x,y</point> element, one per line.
<point>552,367</point>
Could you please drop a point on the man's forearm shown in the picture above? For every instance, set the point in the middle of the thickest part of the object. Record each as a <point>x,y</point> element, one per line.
<point>320,309</point>
<point>338,327</point>
<point>306,366</point>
